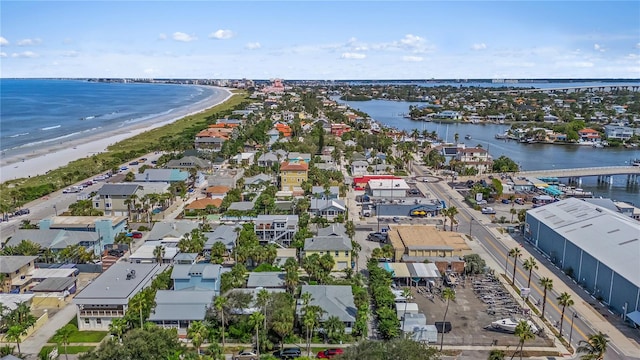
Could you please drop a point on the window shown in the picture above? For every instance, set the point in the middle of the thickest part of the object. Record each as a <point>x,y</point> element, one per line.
<point>346,253</point>
<point>99,321</point>
<point>97,205</point>
<point>336,253</point>
<point>86,321</point>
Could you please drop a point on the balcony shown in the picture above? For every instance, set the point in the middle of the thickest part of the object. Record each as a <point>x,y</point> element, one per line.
<point>101,313</point>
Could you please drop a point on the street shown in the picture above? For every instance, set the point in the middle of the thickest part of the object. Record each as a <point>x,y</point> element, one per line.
<point>498,246</point>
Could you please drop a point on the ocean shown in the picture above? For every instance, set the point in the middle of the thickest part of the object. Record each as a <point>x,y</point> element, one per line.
<point>37,112</point>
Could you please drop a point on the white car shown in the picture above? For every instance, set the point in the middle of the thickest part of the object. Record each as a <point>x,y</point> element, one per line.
<point>488,210</point>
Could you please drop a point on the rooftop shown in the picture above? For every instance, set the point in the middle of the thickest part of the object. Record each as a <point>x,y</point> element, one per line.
<point>54,284</point>
<point>335,300</point>
<point>90,221</point>
<point>426,237</point>
<point>52,238</point>
<point>388,184</point>
<point>181,305</point>
<point>327,243</point>
<point>171,229</point>
<point>590,227</point>
<point>287,166</point>
<point>112,286</point>
<point>118,189</point>
<point>9,264</point>
<point>269,279</point>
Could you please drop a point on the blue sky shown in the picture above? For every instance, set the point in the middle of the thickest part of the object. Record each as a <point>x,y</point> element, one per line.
<point>320,39</point>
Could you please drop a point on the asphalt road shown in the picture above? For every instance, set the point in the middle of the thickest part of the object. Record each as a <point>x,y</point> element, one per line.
<point>499,250</point>
<point>57,202</point>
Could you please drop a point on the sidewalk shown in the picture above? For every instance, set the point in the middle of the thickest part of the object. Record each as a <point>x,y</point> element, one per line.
<point>594,319</point>
<point>40,338</point>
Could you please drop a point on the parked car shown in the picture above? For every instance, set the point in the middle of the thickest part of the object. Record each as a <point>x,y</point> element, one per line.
<point>506,201</point>
<point>519,201</point>
<point>482,202</point>
<point>133,163</point>
<point>414,191</point>
<point>246,355</point>
<point>116,252</point>
<point>443,327</point>
<point>329,353</point>
<point>136,235</point>
<point>24,211</point>
<point>288,353</point>
<point>488,210</point>
<point>376,236</point>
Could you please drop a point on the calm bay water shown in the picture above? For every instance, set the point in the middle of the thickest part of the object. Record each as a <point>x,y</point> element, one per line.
<point>528,156</point>
<point>34,112</point>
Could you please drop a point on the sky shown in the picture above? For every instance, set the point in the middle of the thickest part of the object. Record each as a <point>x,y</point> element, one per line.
<point>323,40</point>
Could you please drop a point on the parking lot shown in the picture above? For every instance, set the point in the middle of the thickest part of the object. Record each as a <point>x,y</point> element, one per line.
<point>469,315</point>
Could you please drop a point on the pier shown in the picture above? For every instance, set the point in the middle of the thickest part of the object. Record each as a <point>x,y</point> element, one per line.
<point>605,174</point>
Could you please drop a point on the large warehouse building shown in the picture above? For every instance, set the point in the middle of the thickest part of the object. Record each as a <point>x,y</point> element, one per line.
<point>598,247</point>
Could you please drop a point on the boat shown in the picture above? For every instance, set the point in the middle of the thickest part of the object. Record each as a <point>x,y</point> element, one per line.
<point>502,136</point>
<point>635,162</point>
<point>468,137</point>
<point>598,145</point>
<point>509,325</point>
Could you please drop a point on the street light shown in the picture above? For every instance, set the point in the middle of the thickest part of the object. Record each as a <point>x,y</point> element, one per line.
<point>55,210</point>
<point>470,223</point>
<point>575,315</point>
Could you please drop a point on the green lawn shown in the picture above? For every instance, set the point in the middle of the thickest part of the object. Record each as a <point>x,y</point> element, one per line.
<point>85,337</point>
<point>70,349</point>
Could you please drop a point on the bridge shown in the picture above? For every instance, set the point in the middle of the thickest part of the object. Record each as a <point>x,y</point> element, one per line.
<point>582,172</point>
<point>570,89</point>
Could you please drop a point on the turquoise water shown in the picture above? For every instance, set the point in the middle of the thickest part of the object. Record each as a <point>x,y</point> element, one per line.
<point>35,112</point>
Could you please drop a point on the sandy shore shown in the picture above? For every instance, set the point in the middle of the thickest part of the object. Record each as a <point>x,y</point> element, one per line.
<point>37,161</point>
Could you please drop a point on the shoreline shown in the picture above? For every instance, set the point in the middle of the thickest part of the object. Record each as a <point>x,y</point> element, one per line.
<point>15,163</point>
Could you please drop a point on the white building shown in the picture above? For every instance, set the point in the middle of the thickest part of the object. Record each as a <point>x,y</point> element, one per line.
<point>387,188</point>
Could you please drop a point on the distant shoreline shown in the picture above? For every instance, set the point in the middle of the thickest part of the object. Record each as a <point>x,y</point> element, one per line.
<point>38,160</point>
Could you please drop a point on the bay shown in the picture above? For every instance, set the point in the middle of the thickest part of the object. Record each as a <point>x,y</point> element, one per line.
<point>528,156</point>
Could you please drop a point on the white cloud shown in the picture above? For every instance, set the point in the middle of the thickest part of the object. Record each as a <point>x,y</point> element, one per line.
<point>637,45</point>
<point>180,36</point>
<point>480,46</point>
<point>3,54</point>
<point>70,53</point>
<point>253,46</point>
<point>162,36</point>
<point>221,34</point>
<point>149,71</point>
<point>3,41</point>
<point>409,42</point>
<point>350,55</point>
<point>412,58</point>
<point>25,54</point>
<point>29,42</point>
<point>598,47</point>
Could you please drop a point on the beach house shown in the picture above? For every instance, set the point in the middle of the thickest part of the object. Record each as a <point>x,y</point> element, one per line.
<point>14,270</point>
<point>335,300</point>
<point>292,174</point>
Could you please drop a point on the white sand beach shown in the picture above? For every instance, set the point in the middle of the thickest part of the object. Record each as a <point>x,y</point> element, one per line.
<point>37,161</point>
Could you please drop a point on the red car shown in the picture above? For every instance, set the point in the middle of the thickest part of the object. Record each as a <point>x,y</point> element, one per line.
<point>329,353</point>
<point>137,235</point>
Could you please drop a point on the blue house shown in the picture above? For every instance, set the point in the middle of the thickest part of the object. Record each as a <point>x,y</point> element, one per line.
<point>105,227</point>
<point>201,276</point>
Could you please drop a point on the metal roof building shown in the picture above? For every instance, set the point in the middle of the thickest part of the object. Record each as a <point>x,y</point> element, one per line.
<point>598,246</point>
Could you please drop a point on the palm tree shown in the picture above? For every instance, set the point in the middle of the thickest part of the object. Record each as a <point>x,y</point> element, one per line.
<point>406,294</point>
<point>547,284</point>
<point>117,327</point>
<point>565,301</point>
<point>496,354</point>
<point>14,333</point>
<point>515,253</point>
<point>513,212</point>
<point>219,304</point>
<point>456,137</point>
<point>334,328</point>
<point>197,332</point>
<point>158,253</point>
<point>594,347</point>
<point>448,294</point>
<point>262,299</point>
<point>529,265</point>
<point>255,320</point>
<point>63,335</point>
<point>524,333</point>
<point>139,302</point>
<point>451,214</point>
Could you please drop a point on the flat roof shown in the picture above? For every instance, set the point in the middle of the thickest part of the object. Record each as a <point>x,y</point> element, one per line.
<point>112,286</point>
<point>41,273</point>
<point>426,237</point>
<point>271,279</point>
<point>54,284</point>
<point>388,184</point>
<point>84,220</point>
<point>610,237</point>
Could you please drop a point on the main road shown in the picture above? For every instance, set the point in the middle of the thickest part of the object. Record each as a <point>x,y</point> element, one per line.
<point>498,247</point>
